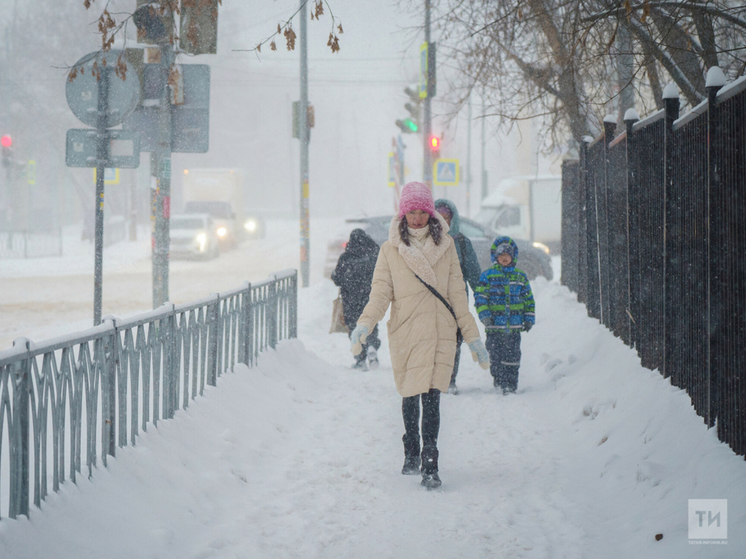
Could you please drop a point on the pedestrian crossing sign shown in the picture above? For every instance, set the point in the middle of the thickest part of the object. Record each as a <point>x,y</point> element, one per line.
<point>111,176</point>
<point>446,172</point>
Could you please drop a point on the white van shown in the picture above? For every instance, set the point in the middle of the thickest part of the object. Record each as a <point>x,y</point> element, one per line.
<point>526,207</point>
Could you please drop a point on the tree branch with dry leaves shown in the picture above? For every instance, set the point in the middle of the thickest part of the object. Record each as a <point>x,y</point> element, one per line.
<point>286,29</point>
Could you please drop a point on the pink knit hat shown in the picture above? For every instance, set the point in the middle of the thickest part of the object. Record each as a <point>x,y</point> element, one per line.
<point>416,196</point>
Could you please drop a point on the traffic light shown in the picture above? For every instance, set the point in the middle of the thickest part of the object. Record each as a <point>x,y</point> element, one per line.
<point>411,124</point>
<point>7,144</point>
<point>154,23</point>
<point>434,144</point>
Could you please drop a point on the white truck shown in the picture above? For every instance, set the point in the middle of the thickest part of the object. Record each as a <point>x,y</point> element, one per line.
<point>219,193</point>
<point>526,207</point>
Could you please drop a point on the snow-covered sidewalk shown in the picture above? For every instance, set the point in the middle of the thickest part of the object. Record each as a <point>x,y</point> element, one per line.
<point>301,457</point>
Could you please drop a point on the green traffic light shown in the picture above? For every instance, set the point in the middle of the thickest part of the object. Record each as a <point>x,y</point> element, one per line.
<point>409,123</point>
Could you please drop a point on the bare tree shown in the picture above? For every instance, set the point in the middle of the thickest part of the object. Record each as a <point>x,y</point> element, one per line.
<point>569,60</point>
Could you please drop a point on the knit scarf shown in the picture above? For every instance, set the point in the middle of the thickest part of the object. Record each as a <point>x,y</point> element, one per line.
<point>422,252</point>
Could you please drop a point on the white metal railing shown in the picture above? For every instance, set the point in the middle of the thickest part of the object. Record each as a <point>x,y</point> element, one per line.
<point>60,397</point>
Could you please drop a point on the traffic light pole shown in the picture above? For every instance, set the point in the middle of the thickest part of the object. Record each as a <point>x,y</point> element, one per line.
<point>162,171</point>
<point>427,174</point>
<point>102,139</point>
<point>305,237</point>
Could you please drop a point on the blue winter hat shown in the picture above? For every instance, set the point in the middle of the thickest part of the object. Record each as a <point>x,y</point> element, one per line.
<point>504,245</point>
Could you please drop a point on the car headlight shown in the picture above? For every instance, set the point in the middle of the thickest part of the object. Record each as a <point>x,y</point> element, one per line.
<point>250,225</point>
<point>541,246</point>
<point>202,240</point>
<point>222,231</point>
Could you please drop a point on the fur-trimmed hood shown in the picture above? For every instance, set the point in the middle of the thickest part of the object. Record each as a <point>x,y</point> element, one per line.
<point>421,262</point>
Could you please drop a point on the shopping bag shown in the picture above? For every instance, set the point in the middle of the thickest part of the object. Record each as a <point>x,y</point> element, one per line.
<point>338,317</point>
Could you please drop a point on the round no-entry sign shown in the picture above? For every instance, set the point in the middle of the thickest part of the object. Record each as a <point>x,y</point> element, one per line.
<point>82,91</point>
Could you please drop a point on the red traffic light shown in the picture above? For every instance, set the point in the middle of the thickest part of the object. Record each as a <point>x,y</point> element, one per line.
<point>434,143</point>
<point>6,141</point>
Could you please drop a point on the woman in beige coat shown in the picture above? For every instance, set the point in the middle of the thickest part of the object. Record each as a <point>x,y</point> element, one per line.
<point>422,330</point>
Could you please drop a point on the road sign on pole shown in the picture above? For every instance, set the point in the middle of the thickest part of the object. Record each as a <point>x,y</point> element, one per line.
<point>392,169</point>
<point>446,172</point>
<point>111,176</point>
<point>123,147</point>
<point>190,120</point>
<point>83,89</point>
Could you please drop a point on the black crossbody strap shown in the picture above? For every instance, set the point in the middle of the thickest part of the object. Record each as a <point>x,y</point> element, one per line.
<point>434,291</point>
<point>462,244</point>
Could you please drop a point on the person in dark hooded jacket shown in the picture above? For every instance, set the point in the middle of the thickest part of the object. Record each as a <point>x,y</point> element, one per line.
<point>354,275</point>
<point>470,268</point>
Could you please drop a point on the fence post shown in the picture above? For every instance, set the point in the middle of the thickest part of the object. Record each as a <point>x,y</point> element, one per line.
<point>633,227</point>
<point>716,238</point>
<point>109,396</point>
<point>272,311</point>
<point>20,465</point>
<point>672,105</point>
<point>606,294</point>
<point>212,341</point>
<point>245,338</point>
<point>170,367</point>
<point>293,333</point>
<point>584,256</point>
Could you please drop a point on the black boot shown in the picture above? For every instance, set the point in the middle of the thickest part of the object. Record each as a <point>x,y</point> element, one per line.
<point>411,455</point>
<point>430,477</point>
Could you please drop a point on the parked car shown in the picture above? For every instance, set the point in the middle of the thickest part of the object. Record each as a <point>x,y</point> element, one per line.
<point>534,260</point>
<point>193,236</point>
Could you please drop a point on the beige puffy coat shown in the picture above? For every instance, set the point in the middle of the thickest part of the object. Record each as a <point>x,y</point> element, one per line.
<point>421,330</point>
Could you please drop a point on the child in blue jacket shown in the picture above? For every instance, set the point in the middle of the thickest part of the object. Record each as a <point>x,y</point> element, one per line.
<point>506,307</point>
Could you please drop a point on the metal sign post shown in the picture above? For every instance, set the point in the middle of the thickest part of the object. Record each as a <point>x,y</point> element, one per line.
<point>101,160</point>
<point>99,101</point>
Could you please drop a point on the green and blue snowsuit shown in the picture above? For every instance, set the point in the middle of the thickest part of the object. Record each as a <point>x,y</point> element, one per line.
<point>505,305</point>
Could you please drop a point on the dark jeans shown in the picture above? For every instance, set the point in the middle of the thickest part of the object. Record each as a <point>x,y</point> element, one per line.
<point>505,358</point>
<point>410,409</point>
<point>371,341</point>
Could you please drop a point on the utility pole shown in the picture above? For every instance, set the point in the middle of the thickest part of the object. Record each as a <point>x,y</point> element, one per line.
<point>427,174</point>
<point>305,237</point>
<point>468,160</point>
<point>484,170</point>
<point>161,168</point>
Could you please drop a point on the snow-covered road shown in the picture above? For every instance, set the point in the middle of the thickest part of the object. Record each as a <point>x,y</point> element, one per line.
<point>301,457</point>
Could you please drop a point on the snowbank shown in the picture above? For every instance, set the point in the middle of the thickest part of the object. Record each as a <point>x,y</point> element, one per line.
<point>301,457</point>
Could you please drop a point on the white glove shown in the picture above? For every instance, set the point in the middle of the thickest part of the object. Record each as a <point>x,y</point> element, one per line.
<point>357,338</point>
<point>479,353</point>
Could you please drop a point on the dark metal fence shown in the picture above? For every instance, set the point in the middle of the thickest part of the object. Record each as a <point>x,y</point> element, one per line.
<point>654,244</point>
<point>61,399</point>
